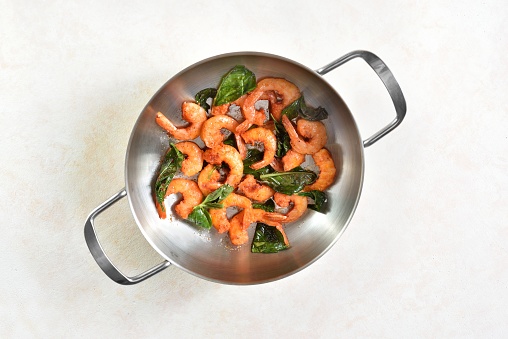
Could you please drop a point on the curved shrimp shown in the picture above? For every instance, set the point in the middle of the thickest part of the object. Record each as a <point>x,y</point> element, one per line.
<point>212,136</point>
<point>283,89</point>
<point>191,194</point>
<point>208,179</point>
<point>269,218</point>
<point>254,190</point>
<point>267,138</point>
<point>327,171</point>
<point>299,205</point>
<point>237,234</point>
<point>193,162</point>
<point>192,113</point>
<point>224,108</point>
<point>292,159</point>
<point>309,136</point>
<point>229,155</point>
<point>219,217</point>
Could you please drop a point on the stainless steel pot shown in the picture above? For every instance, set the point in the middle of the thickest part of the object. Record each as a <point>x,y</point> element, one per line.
<point>206,253</point>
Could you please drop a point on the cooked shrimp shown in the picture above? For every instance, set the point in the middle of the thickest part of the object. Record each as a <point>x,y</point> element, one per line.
<point>298,202</point>
<point>309,136</point>
<point>229,155</point>
<point>254,190</point>
<point>269,218</point>
<point>192,113</point>
<point>283,89</point>
<point>327,171</point>
<point>219,218</point>
<point>191,194</point>
<point>237,233</point>
<point>224,108</point>
<point>208,179</point>
<point>193,162</point>
<point>212,136</point>
<point>292,159</point>
<point>267,138</point>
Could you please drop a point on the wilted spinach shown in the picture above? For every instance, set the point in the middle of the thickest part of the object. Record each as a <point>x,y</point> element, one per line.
<point>267,239</point>
<point>203,95</point>
<point>283,140</point>
<point>268,206</point>
<point>319,198</point>
<point>254,155</point>
<point>234,84</point>
<point>289,182</point>
<point>170,165</point>
<point>300,108</point>
<point>200,215</point>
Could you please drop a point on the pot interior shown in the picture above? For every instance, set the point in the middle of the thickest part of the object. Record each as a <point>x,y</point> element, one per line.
<point>206,253</point>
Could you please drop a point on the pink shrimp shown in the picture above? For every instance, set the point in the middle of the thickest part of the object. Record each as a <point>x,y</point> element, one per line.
<point>211,132</point>
<point>193,162</point>
<point>229,155</point>
<point>254,190</point>
<point>219,217</point>
<point>327,171</point>
<point>272,89</point>
<point>192,113</point>
<point>191,193</point>
<point>299,205</point>
<point>309,136</point>
<point>267,138</point>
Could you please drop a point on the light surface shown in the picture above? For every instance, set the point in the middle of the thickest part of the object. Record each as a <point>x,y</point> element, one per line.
<point>425,254</point>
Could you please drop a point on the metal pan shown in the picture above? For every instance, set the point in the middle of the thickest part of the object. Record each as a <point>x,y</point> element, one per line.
<point>208,254</point>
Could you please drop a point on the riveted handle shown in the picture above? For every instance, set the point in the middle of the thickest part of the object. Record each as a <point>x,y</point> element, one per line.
<point>388,80</point>
<point>100,256</point>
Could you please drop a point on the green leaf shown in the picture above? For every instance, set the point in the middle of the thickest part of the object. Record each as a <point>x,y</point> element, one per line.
<point>203,95</point>
<point>293,110</point>
<point>254,155</point>
<point>289,182</point>
<point>283,139</point>
<point>171,164</point>
<point>234,84</point>
<point>300,108</point>
<point>201,217</point>
<point>268,206</point>
<point>267,239</point>
<point>319,198</point>
<point>218,195</point>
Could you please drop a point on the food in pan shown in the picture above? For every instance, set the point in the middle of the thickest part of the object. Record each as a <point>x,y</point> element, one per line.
<point>258,165</point>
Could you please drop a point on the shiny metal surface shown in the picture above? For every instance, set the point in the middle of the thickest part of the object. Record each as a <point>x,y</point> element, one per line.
<point>205,253</point>
<point>388,80</point>
<point>100,256</point>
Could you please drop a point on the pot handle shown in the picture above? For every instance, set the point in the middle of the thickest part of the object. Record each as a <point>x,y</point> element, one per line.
<point>102,259</point>
<point>388,80</point>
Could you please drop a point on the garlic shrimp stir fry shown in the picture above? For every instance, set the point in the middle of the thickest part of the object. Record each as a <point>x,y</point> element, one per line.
<point>255,165</point>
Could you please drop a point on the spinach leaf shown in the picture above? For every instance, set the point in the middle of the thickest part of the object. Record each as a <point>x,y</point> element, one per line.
<point>283,139</point>
<point>300,108</point>
<point>203,95</point>
<point>293,110</point>
<point>234,84</point>
<point>267,239</point>
<point>171,164</point>
<point>268,206</point>
<point>253,156</point>
<point>319,198</point>
<point>289,182</point>
<point>200,215</point>
<point>218,195</point>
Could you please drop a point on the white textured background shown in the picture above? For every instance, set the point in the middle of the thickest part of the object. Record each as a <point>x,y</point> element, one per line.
<point>426,252</point>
